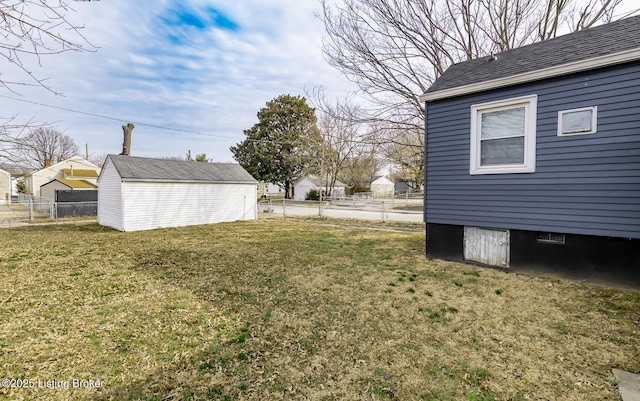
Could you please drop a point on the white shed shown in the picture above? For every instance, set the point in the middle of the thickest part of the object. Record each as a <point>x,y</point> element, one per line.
<point>136,193</point>
<point>382,187</point>
<point>302,187</point>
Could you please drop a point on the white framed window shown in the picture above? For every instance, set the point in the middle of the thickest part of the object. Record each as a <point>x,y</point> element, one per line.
<point>578,121</point>
<point>503,136</point>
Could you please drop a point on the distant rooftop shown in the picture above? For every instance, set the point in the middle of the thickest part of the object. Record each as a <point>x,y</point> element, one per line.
<point>77,172</point>
<point>77,184</point>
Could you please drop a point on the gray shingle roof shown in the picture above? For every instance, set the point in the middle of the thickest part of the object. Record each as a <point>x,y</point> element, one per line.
<point>615,37</point>
<point>141,168</point>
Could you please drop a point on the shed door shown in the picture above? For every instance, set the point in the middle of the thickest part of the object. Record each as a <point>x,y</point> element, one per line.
<point>486,246</point>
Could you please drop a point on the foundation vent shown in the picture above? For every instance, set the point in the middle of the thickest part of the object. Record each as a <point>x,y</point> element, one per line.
<point>550,238</point>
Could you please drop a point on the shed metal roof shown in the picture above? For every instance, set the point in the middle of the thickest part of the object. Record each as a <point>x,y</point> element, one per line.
<point>74,184</point>
<point>132,168</point>
<point>616,42</point>
<point>78,184</point>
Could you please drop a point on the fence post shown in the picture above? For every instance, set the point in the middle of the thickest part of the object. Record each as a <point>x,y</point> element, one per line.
<point>383,211</point>
<point>30,210</point>
<point>320,205</point>
<point>284,207</point>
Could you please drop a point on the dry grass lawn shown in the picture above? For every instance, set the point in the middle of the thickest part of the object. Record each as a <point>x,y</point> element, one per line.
<point>294,309</point>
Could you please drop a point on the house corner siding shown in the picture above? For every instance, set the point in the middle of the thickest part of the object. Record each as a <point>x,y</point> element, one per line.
<point>585,187</point>
<point>583,184</point>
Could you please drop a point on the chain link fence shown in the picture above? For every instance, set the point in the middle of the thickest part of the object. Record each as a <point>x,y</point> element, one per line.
<point>405,207</point>
<point>33,210</point>
<point>402,207</point>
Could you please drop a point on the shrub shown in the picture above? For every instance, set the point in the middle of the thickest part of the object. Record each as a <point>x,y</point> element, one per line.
<point>312,195</point>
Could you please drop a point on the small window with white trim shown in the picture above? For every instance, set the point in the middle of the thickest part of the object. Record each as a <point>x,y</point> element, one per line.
<point>578,121</point>
<point>503,136</point>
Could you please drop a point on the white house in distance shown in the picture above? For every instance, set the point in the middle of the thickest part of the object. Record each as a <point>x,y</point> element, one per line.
<point>302,187</point>
<point>270,190</point>
<point>382,187</point>
<point>74,168</point>
<point>5,187</point>
<point>136,193</point>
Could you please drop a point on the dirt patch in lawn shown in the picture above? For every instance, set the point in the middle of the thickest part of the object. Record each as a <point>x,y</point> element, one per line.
<point>294,309</point>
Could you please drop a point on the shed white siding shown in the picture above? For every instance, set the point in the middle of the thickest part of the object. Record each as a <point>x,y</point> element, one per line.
<point>149,205</point>
<point>110,198</point>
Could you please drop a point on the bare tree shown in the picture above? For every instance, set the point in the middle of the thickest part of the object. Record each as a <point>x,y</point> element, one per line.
<point>30,29</point>
<point>98,158</point>
<point>11,136</point>
<point>406,156</point>
<point>359,170</point>
<point>45,144</point>
<point>341,130</point>
<point>395,49</point>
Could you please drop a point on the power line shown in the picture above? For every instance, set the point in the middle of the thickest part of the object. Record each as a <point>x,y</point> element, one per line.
<point>115,119</point>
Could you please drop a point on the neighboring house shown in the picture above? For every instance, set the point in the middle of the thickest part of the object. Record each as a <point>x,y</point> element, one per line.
<point>533,157</point>
<point>382,187</point>
<point>5,187</point>
<point>49,189</point>
<point>74,168</point>
<point>273,190</point>
<point>17,174</point>
<point>269,190</point>
<point>136,193</point>
<point>304,185</point>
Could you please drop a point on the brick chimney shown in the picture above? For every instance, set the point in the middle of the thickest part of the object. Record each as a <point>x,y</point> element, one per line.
<point>126,144</point>
<point>47,163</point>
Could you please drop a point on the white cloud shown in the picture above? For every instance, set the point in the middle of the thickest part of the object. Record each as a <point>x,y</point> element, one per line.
<point>206,79</point>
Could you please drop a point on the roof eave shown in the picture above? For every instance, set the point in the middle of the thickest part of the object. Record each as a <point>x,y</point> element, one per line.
<point>555,71</point>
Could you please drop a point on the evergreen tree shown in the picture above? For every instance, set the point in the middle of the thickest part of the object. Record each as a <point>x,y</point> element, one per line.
<point>282,144</point>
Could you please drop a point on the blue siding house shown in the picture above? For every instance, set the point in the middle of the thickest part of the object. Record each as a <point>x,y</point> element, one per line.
<point>532,157</point>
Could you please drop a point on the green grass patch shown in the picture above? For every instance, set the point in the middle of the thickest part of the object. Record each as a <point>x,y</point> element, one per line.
<point>296,309</point>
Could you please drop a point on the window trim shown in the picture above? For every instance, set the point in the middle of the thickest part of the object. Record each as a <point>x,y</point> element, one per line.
<point>530,103</point>
<point>594,121</point>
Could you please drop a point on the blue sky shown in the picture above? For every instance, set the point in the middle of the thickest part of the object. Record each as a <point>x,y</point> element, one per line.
<point>201,66</point>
